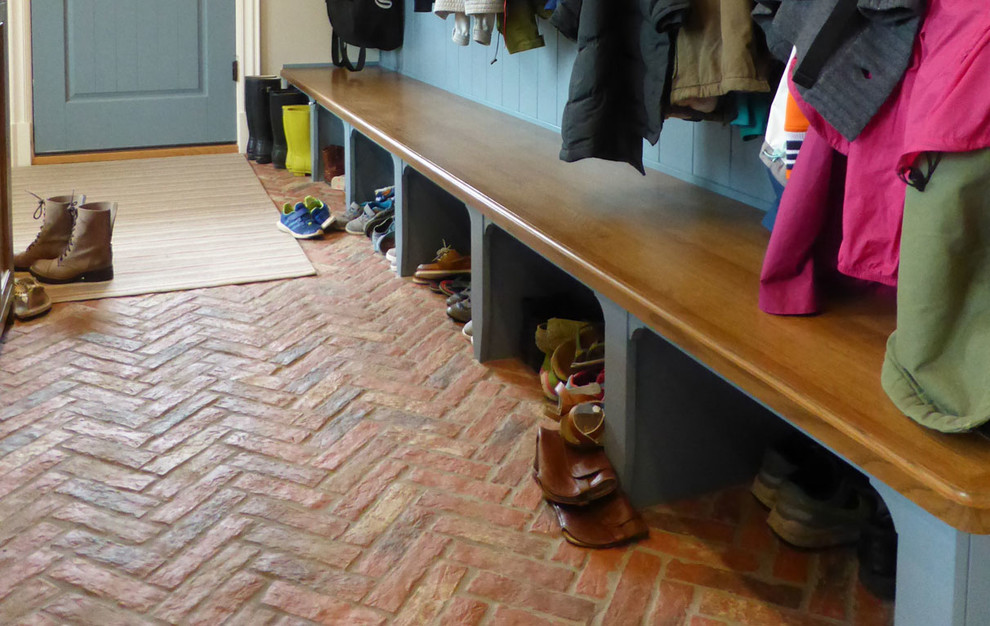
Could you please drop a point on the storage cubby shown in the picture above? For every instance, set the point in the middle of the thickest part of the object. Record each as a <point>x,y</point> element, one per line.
<point>371,167</point>
<point>675,428</point>
<point>427,218</point>
<point>328,130</point>
<point>513,290</point>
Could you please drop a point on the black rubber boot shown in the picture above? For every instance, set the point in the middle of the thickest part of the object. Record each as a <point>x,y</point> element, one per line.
<point>278,98</point>
<point>256,89</point>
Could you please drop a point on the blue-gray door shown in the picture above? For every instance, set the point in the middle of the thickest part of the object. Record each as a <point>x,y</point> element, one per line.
<point>132,73</point>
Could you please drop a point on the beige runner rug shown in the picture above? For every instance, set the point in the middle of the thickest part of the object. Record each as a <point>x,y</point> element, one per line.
<point>182,223</point>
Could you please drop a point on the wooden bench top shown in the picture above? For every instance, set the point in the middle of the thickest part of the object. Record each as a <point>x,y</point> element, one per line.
<point>683,260</point>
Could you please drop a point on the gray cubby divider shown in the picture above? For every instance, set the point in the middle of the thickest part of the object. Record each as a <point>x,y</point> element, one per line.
<point>673,424</point>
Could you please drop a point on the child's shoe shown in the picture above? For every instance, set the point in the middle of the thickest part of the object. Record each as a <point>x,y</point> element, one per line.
<point>370,210</point>
<point>385,193</point>
<point>321,214</point>
<point>297,221</point>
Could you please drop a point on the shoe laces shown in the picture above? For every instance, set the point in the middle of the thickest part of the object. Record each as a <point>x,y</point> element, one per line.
<point>39,214</point>
<point>74,214</point>
<point>444,251</point>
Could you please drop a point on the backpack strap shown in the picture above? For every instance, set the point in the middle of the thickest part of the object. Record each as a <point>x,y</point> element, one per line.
<point>338,52</point>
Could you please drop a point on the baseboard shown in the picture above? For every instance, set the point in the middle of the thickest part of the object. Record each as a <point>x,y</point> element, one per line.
<point>139,153</point>
<point>242,131</point>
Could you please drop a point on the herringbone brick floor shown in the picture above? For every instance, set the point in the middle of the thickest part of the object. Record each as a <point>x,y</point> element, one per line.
<point>326,450</point>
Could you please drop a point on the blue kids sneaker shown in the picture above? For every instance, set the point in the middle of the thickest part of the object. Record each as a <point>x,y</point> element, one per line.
<point>383,235</point>
<point>297,221</point>
<point>383,194</point>
<point>321,214</point>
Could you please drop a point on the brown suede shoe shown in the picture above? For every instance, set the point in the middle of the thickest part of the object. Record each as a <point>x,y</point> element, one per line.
<point>88,256</point>
<point>56,218</point>
<point>571,476</point>
<point>449,262</point>
<point>607,522</point>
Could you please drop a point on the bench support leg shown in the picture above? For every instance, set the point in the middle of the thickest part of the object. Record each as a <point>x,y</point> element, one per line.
<point>495,299</point>
<point>401,216</point>
<point>943,574</point>
<point>349,167</point>
<point>620,399</point>
<point>480,286</point>
<point>315,155</point>
<point>674,429</point>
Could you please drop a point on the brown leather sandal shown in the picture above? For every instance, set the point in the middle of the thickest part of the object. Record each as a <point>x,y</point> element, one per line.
<point>570,475</point>
<point>584,425</point>
<point>608,522</point>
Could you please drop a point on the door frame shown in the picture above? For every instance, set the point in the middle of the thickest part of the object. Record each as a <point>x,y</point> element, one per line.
<point>247,15</point>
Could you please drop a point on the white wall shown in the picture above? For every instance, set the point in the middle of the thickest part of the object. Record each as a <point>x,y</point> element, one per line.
<point>19,77</point>
<point>295,31</point>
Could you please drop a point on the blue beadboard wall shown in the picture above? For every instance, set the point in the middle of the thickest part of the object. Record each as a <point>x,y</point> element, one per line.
<point>532,85</point>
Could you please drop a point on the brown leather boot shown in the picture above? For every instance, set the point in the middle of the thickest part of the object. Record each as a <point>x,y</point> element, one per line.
<point>88,256</point>
<point>56,228</point>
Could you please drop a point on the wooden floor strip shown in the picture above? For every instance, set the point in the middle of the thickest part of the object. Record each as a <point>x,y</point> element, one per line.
<point>127,155</point>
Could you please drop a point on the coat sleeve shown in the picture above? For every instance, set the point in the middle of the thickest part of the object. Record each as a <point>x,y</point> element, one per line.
<point>665,15</point>
<point>565,18</point>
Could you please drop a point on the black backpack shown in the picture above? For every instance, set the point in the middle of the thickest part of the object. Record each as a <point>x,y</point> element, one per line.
<point>365,24</point>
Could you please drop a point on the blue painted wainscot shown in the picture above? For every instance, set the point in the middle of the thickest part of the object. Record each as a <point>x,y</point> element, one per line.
<point>532,85</point>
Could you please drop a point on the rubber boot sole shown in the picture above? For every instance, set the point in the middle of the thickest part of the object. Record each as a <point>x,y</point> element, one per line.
<point>765,492</point>
<point>30,315</point>
<point>92,276</point>
<point>439,274</point>
<point>804,536</point>
<point>285,229</point>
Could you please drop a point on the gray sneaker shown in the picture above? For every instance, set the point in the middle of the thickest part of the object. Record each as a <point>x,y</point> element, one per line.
<point>353,212</point>
<point>460,311</point>
<point>356,226</point>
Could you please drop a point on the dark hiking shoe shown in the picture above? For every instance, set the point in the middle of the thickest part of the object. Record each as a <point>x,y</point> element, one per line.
<point>824,504</point>
<point>780,462</point>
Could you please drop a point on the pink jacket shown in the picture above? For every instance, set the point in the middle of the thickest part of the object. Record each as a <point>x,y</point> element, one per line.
<point>942,104</point>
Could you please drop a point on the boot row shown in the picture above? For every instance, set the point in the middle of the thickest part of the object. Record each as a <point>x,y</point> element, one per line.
<point>73,244</point>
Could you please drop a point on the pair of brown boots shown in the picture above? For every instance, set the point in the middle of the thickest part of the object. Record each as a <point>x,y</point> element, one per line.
<point>73,244</point>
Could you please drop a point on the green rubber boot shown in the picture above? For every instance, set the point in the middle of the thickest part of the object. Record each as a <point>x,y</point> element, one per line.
<point>295,118</point>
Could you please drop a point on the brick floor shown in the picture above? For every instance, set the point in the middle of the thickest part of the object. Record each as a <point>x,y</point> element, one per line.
<point>326,450</point>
